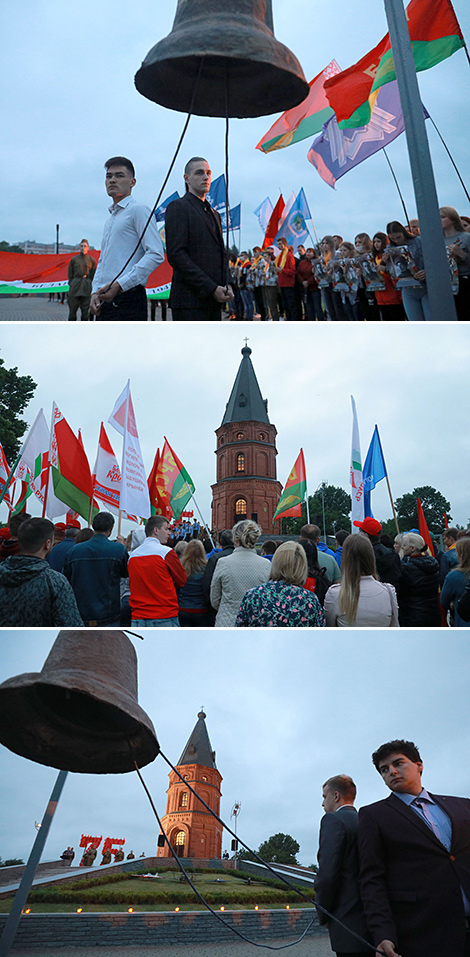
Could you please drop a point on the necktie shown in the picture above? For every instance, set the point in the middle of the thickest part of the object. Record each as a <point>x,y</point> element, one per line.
<point>421,804</point>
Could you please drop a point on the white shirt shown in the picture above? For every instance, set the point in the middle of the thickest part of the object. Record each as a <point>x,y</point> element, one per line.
<point>121,232</point>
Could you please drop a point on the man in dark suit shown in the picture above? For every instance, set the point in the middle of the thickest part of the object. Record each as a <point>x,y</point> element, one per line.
<point>414,854</point>
<point>336,883</point>
<point>196,250</point>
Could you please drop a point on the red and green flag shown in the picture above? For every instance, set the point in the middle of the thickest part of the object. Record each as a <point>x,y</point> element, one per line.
<point>294,492</point>
<point>71,474</point>
<point>303,120</point>
<point>174,484</point>
<point>435,34</point>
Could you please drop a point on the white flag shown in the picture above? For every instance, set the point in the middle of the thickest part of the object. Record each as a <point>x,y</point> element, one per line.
<point>106,474</point>
<point>135,499</point>
<point>34,460</point>
<point>357,483</point>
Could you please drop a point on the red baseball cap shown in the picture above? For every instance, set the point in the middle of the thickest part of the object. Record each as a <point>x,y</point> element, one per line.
<point>72,523</point>
<point>60,526</point>
<point>370,525</point>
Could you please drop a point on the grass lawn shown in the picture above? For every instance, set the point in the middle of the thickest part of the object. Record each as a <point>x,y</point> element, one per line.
<point>227,890</point>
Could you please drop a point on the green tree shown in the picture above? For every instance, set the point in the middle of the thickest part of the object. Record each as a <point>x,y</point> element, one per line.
<point>15,391</point>
<point>7,248</point>
<point>279,849</point>
<point>434,505</point>
<point>337,510</point>
<point>11,861</point>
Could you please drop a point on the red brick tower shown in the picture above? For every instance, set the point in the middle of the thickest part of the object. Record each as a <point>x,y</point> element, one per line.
<point>246,485</point>
<point>190,828</point>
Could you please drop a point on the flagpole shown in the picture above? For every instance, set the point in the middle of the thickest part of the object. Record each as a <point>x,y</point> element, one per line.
<point>202,519</point>
<point>393,507</point>
<point>7,483</point>
<point>396,184</point>
<point>435,259</point>
<point>48,474</point>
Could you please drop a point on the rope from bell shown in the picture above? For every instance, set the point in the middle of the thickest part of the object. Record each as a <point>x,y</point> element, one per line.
<point>278,876</point>
<point>157,201</point>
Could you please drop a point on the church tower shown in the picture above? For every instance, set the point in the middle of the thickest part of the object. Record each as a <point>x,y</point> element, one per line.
<point>246,485</point>
<point>190,828</point>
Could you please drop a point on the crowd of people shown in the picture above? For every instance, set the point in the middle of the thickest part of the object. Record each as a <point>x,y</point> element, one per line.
<point>174,576</point>
<point>375,278</point>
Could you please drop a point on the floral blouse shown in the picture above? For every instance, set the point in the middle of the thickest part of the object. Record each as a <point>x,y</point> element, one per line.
<point>278,605</point>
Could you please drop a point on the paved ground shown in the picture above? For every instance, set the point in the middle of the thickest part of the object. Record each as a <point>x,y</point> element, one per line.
<point>317,946</point>
<point>35,309</point>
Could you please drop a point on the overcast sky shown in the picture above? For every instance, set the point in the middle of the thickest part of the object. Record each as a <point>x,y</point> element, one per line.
<point>284,712</point>
<point>410,380</point>
<point>69,102</point>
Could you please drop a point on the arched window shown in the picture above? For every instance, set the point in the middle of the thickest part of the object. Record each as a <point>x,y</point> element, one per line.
<point>239,435</point>
<point>184,799</point>
<point>240,462</point>
<point>240,507</point>
<point>180,838</point>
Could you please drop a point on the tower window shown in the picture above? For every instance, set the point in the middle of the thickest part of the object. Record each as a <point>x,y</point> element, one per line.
<point>240,462</point>
<point>261,436</point>
<point>184,799</point>
<point>240,507</point>
<point>180,837</point>
<point>239,435</point>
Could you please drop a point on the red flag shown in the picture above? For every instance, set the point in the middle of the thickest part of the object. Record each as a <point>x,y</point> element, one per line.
<point>273,225</point>
<point>159,495</point>
<point>445,519</point>
<point>423,528</point>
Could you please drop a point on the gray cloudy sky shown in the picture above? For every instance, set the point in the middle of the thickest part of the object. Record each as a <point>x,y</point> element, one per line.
<point>285,710</point>
<point>69,103</point>
<point>410,379</point>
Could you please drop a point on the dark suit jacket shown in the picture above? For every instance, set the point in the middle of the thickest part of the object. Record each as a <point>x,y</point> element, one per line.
<point>410,884</point>
<point>336,884</point>
<point>196,252</point>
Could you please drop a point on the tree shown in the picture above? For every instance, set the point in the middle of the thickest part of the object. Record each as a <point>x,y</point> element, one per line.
<point>11,861</point>
<point>279,849</point>
<point>7,248</point>
<point>15,391</point>
<point>434,505</point>
<point>337,504</point>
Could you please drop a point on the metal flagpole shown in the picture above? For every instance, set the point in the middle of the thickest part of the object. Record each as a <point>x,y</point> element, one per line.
<point>435,259</point>
<point>393,507</point>
<point>202,520</point>
<point>21,896</point>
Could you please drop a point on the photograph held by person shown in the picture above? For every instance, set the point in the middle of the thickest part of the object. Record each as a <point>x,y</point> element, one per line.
<point>234,575</point>
<point>418,594</point>
<point>282,602</point>
<point>125,297</point>
<point>337,877</point>
<point>360,600</point>
<point>457,241</point>
<point>195,249</point>
<point>414,858</point>
<point>415,298</point>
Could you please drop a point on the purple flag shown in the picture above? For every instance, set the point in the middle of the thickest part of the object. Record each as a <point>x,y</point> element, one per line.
<point>337,151</point>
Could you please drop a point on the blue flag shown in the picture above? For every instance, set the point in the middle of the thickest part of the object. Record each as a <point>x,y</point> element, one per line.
<point>161,210</point>
<point>234,217</point>
<point>373,470</point>
<point>336,151</point>
<point>293,227</point>
<point>217,193</point>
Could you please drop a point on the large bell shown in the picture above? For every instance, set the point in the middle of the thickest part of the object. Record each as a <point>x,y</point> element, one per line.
<point>245,71</point>
<point>80,713</point>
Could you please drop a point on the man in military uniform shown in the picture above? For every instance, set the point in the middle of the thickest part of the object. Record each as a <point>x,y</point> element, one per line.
<point>80,274</point>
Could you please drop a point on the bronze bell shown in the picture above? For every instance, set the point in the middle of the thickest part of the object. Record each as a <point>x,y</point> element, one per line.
<point>245,70</point>
<point>80,713</point>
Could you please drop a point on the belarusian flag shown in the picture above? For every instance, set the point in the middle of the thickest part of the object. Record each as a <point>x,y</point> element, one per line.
<point>106,476</point>
<point>4,474</point>
<point>71,474</point>
<point>294,491</point>
<point>174,481</point>
<point>303,120</point>
<point>357,483</point>
<point>34,466</point>
<point>435,34</point>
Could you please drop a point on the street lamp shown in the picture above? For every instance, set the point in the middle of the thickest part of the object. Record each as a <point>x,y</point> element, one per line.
<point>234,813</point>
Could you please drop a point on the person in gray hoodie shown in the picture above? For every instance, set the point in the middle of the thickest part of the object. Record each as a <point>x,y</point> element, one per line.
<point>31,592</point>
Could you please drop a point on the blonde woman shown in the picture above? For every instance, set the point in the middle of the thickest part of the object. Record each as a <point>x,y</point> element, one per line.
<point>192,610</point>
<point>234,575</point>
<point>282,602</point>
<point>455,583</point>
<point>360,599</point>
